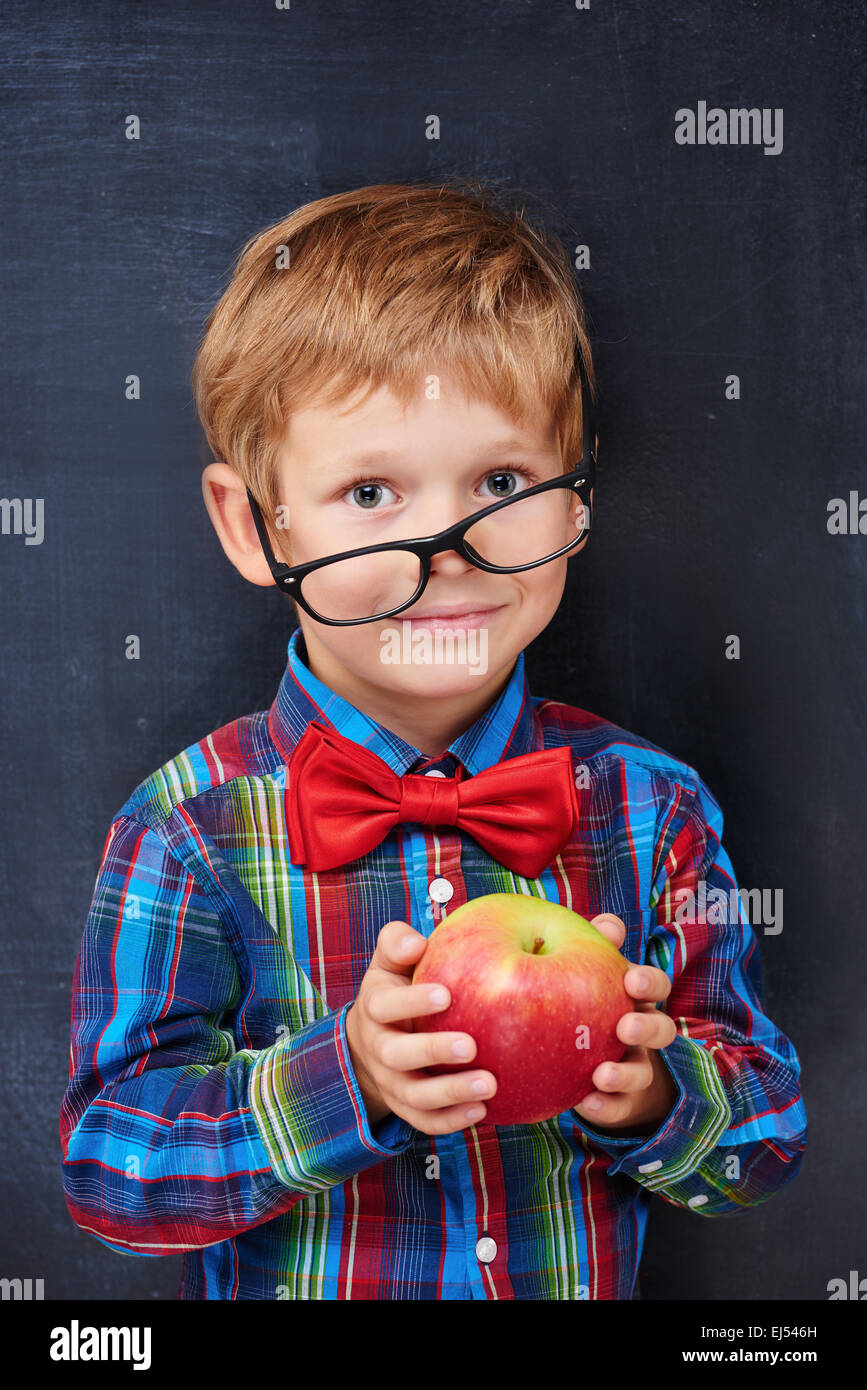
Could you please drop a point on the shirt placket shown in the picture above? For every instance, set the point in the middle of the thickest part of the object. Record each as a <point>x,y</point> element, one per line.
<point>474,1236</point>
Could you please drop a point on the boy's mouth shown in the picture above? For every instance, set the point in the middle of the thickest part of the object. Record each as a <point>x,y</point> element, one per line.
<point>457,618</point>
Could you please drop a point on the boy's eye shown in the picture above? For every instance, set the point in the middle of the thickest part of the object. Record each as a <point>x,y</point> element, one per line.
<point>503,484</point>
<point>366,493</point>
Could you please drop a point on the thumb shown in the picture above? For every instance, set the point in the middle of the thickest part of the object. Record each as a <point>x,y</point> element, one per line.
<point>398,947</point>
<point>612,928</point>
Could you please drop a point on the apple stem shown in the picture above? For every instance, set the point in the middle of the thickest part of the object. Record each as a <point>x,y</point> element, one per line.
<point>539,941</point>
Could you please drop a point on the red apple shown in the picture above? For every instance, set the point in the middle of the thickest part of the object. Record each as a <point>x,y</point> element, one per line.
<point>541,991</point>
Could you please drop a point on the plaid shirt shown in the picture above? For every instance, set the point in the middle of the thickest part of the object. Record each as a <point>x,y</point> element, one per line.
<point>212,1107</point>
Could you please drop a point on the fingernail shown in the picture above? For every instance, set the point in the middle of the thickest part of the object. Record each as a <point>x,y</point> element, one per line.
<point>407,944</point>
<point>594,1104</point>
<point>641,980</point>
<point>439,995</point>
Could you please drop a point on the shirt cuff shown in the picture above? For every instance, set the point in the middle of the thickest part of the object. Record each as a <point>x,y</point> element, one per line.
<point>699,1117</point>
<point>307,1103</point>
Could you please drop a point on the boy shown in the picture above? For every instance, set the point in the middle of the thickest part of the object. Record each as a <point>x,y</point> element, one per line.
<point>247,1077</point>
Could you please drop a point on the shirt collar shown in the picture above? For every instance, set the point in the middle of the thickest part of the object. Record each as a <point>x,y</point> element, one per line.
<point>506,729</point>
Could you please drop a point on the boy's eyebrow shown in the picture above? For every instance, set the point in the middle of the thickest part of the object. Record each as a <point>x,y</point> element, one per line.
<point>369,458</point>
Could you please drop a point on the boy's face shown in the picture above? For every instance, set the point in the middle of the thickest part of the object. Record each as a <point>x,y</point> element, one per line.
<point>436,463</point>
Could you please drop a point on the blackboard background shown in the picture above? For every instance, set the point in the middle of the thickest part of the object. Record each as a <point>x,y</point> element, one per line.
<point>711,514</point>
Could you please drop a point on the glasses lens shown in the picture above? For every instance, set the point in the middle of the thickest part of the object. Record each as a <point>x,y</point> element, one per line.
<point>525,532</point>
<point>363,587</point>
<point>530,529</point>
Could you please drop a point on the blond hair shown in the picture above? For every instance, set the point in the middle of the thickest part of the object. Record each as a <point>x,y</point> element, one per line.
<point>370,286</point>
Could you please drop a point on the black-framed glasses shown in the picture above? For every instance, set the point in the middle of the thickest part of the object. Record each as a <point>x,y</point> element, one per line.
<point>377,581</point>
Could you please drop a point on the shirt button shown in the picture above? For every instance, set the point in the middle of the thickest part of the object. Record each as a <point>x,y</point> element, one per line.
<point>440,890</point>
<point>434,772</point>
<point>486,1249</point>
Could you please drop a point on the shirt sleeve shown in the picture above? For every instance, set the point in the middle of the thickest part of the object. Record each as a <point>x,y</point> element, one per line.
<point>172,1136</point>
<point>737,1129</point>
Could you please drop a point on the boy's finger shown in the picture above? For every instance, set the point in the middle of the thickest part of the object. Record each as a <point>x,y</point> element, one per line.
<point>626,1076</point>
<point>393,1004</point>
<point>604,1109</point>
<point>614,928</point>
<point>398,947</point>
<point>647,982</point>
<point>649,1029</point>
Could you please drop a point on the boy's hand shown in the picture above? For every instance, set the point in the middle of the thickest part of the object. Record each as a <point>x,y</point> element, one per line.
<point>636,1093</point>
<point>388,1056</point>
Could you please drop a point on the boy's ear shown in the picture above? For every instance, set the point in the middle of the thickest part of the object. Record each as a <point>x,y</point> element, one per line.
<point>229,509</point>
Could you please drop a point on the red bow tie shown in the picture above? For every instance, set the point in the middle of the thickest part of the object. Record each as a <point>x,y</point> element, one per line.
<point>522,811</point>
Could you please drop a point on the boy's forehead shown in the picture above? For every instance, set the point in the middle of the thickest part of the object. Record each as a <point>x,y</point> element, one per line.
<point>383,424</point>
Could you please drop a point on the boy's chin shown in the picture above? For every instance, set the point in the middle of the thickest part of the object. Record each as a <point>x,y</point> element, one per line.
<point>435,680</point>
